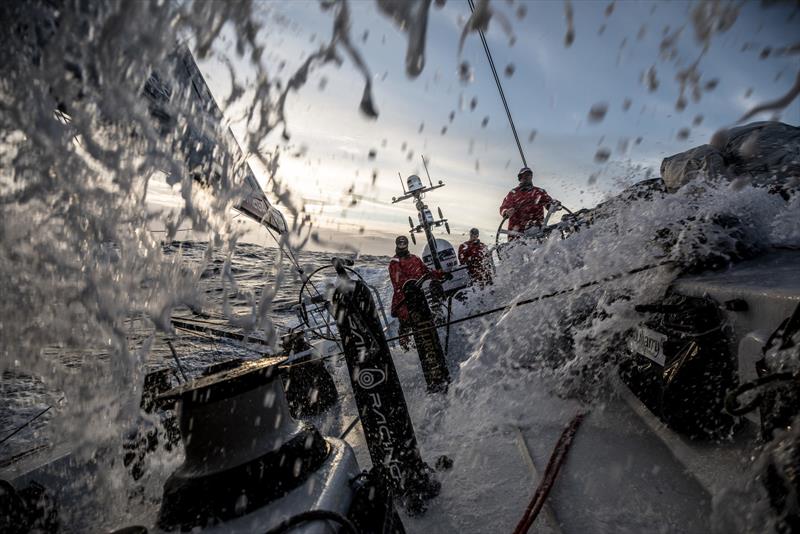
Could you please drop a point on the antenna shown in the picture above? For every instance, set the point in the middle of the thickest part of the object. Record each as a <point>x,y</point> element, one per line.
<point>401,183</point>
<point>426,169</point>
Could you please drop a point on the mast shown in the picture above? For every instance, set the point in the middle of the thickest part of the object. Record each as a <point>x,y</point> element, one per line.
<point>426,225</point>
<point>416,190</point>
<point>423,210</point>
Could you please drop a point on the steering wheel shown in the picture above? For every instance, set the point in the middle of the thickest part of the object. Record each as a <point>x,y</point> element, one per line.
<point>545,222</point>
<point>322,330</point>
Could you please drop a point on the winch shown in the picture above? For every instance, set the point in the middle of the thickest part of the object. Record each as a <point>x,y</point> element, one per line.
<point>249,466</point>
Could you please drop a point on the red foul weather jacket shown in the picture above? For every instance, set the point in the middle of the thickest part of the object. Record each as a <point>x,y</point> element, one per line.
<point>401,270</point>
<point>473,255</point>
<point>528,205</point>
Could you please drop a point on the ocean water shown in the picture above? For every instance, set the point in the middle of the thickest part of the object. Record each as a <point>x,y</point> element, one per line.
<point>89,291</point>
<point>521,372</point>
<point>251,268</point>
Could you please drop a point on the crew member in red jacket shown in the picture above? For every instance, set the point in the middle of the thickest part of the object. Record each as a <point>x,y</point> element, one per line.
<point>403,267</point>
<point>524,205</point>
<point>474,255</point>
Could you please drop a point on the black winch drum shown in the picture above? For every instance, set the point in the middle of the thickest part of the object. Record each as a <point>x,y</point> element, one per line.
<point>243,449</point>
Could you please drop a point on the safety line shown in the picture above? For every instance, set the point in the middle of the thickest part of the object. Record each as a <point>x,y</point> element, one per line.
<point>545,296</point>
<point>609,278</point>
<point>507,307</point>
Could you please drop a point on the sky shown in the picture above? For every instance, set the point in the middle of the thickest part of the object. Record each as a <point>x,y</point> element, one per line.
<point>550,88</point>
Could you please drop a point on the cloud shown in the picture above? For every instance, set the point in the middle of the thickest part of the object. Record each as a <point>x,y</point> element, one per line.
<point>551,91</point>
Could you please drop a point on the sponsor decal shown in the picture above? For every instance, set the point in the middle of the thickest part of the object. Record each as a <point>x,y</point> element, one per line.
<point>648,343</point>
<point>369,378</point>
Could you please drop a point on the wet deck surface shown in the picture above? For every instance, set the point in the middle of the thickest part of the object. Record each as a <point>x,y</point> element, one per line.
<point>625,471</point>
<point>620,477</point>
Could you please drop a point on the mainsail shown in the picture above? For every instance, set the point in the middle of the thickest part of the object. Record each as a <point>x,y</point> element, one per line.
<point>209,156</point>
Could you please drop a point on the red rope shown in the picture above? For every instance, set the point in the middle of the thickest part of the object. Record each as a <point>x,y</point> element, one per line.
<point>551,472</point>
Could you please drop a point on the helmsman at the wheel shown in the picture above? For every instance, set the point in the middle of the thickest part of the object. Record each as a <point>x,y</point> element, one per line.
<point>525,204</point>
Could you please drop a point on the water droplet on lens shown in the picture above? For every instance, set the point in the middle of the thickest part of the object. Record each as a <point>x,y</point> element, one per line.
<point>465,72</point>
<point>602,155</point>
<point>598,112</point>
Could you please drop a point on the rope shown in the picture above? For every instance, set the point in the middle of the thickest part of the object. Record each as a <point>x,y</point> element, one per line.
<point>734,407</point>
<point>499,88</point>
<point>551,472</point>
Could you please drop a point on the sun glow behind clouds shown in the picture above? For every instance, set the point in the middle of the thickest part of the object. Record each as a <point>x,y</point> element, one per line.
<point>550,91</point>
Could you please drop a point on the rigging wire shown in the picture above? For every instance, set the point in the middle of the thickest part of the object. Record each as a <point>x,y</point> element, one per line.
<point>177,360</point>
<point>509,307</point>
<point>165,231</point>
<point>538,298</point>
<point>28,422</point>
<point>499,88</point>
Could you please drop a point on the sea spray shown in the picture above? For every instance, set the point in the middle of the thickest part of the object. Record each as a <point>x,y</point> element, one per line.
<point>579,332</point>
<point>79,151</point>
<point>534,365</point>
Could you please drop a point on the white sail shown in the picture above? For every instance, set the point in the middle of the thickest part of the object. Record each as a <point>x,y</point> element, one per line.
<point>200,143</point>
